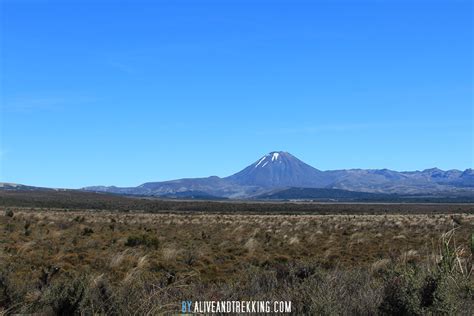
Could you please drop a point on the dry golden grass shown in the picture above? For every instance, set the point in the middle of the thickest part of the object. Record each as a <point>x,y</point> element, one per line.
<point>210,248</point>
<point>81,239</point>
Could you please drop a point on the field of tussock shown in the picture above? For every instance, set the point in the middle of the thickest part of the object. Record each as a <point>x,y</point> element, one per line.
<point>101,262</point>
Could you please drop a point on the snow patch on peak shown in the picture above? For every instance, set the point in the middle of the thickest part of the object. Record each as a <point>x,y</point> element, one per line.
<point>261,160</point>
<point>275,156</point>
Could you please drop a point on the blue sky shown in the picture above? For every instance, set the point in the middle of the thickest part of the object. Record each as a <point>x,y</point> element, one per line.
<point>102,92</point>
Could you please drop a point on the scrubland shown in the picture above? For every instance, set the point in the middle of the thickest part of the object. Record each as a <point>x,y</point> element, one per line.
<point>56,261</point>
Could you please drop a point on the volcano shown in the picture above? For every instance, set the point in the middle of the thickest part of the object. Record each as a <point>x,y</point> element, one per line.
<point>280,169</point>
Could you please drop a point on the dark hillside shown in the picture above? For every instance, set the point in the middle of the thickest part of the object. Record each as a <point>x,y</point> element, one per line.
<point>95,201</point>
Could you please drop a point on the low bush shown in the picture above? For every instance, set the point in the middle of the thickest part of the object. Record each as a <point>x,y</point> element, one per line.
<point>142,240</point>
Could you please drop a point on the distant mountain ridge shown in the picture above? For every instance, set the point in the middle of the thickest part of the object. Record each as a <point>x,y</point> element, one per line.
<point>20,187</point>
<point>281,170</point>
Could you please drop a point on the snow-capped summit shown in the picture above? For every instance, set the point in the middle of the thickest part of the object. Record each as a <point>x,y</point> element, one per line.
<point>272,157</point>
<point>279,169</point>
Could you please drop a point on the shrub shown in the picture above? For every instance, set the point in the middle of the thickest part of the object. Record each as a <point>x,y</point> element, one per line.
<point>438,295</point>
<point>5,299</point>
<point>27,231</point>
<point>145,240</point>
<point>9,213</point>
<point>414,291</point>
<point>87,231</point>
<point>401,293</point>
<point>65,296</point>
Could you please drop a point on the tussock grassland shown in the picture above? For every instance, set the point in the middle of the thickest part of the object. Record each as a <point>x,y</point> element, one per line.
<point>89,262</point>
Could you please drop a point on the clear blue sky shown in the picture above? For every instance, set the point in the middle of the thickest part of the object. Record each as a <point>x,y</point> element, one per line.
<point>97,92</point>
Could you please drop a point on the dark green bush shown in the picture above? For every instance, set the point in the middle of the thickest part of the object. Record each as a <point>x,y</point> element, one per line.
<point>64,297</point>
<point>410,291</point>
<point>87,231</point>
<point>439,295</point>
<point>142,240</point>
<point>401,293</point>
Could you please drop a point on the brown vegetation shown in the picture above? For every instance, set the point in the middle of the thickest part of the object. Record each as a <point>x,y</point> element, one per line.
<point>65,262</point>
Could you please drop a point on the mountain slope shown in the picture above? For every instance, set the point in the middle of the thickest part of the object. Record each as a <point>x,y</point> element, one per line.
<point>280,169</point>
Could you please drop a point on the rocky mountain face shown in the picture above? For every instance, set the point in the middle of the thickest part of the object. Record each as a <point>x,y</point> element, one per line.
<point>278,170</point>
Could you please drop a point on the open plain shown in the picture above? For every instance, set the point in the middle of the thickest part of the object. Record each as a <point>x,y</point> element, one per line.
<point>378,261</point>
